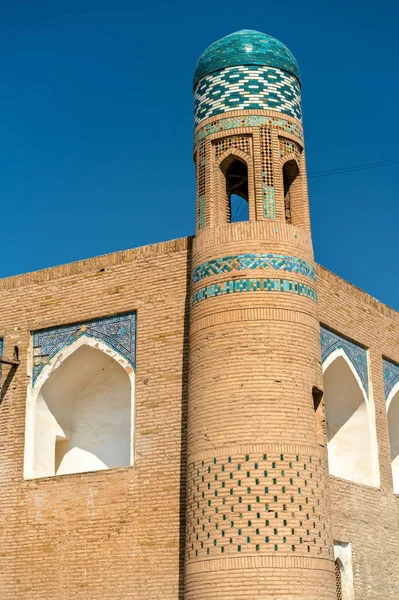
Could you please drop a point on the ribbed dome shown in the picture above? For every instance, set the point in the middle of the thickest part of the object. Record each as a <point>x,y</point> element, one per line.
<point>246,47</point>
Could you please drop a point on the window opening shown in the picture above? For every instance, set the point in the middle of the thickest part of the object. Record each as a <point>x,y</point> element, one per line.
<point>290,175</point>
<point>338,580</point>
<point>237,191</point>
<point>320,415</point>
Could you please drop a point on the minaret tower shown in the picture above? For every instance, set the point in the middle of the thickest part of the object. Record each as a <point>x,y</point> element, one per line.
<point>257,499</point>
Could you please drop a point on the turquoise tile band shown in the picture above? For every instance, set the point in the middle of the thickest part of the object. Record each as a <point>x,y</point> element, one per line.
<point>254,285</point>
<point>240,262</point>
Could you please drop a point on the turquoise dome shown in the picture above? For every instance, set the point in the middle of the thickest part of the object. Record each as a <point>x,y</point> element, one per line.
<point>245,47</point>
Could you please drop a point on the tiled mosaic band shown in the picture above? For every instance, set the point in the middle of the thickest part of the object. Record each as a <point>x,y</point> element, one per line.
<point>247,88</point>
<point>391,376</point>
<point>248,121</point>
<point>118,332</point>
<point>240,262</point>
<point>357,355</point>
<point>263,503</point>
<point>254,285</point>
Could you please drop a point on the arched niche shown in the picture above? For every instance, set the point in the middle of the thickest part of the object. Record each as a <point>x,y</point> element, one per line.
<point>233,183</point>
<point>343,571</point>
<point>393,425</point>
<point>80,412</point>
<point>293,192</point>
<point>351,439</point>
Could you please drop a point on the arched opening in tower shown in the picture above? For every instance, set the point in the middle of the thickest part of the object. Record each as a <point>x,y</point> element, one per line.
<point>83,416</point>
<point>237,191</point>
<point>348,430</point>
<point>292,195</point>
<point>393,424</point>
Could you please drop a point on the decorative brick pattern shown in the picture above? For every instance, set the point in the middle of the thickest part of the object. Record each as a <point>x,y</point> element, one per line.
<point>391,375</point>
<point>200,163</point>
<point>254,285</point>
<point>240,262</point>
<point>257,503</point>
<point>241,142</point>
<point>289,147</point>
<point>331,341</point>
<point>248,121</point>
<point>119,332</point>
<point>338,581</point>
<point>247,88</point>
<point>269,203</point>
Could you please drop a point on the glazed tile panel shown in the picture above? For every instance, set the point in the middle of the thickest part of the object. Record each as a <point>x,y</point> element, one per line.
<point>357,355</point>
<point>246,88</point>
<point>391,376</point>
<point>240,262</point>
<point>118,332</point>
<point>257,285</point>
<point>245,47</point>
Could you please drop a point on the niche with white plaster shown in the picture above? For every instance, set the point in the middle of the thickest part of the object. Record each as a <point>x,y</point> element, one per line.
<point>352,449</point>
<point>80,412</point>
<point>343,561</point>
<point>393,424</point>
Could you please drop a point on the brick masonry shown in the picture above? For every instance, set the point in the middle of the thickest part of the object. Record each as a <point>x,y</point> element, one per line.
<point>229,496</point>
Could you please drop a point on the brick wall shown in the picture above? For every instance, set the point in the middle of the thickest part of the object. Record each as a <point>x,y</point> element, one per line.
<point>110,534</point>
<point>366,517</point>
<point>119,534</point>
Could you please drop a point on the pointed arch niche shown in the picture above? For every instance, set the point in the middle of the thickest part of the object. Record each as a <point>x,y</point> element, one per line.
<point>351,434</point>
<point>80,406</point>
<point>391,384</point>
<point>234,186</point>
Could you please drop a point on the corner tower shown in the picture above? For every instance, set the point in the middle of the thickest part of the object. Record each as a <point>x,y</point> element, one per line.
<point>257,506</point>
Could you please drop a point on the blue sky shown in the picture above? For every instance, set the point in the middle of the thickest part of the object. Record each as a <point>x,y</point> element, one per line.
<point>96,125</point>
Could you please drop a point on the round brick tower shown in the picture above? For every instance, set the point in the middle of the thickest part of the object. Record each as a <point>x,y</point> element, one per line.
<point>257,505</point>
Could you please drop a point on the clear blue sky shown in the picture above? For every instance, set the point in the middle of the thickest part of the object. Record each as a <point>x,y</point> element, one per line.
<point>96,125</point>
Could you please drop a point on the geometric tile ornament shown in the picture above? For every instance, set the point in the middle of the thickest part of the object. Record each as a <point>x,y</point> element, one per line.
<point>245,47</point>
<point>247,121</point>
<point>391,375</point>
<point>269,204</point>
<point>240,262</point>
<point>247,87</point>
<point>118,332</point>
<point>254,285</point>
<point>357,355</point>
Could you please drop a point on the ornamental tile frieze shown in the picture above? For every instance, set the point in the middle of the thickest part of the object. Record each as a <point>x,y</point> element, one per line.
<point>118,332</point>
<point>357,355</point>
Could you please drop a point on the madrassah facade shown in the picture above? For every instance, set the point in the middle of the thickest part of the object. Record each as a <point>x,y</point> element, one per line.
<point>210,418</point>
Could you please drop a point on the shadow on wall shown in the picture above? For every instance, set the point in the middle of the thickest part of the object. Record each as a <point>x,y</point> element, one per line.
<point>83,416</point>
<point>348,431</point>
<point>183,425</point>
